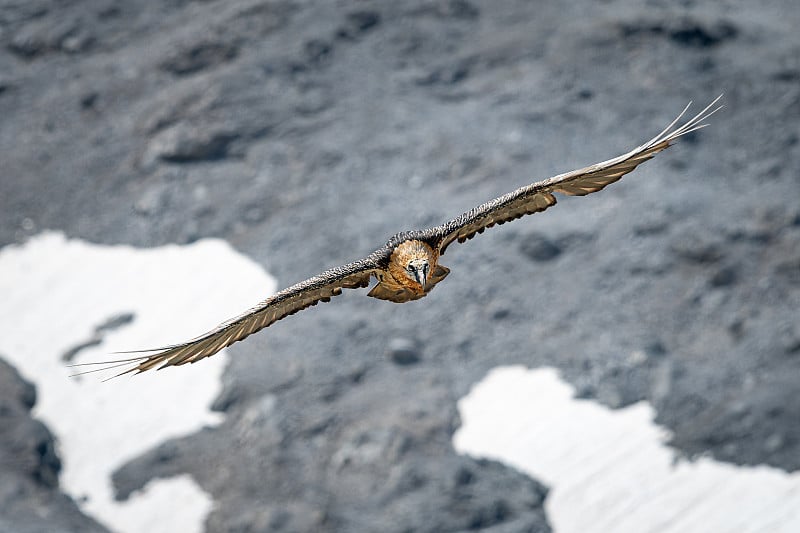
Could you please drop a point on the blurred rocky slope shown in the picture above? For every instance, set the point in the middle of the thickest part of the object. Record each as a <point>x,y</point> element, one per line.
<point>29,496</point>
<point>306,133</point>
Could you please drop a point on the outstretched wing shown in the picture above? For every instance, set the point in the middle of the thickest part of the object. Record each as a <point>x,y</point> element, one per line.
<point>282,304</point>
<point>539,196</point>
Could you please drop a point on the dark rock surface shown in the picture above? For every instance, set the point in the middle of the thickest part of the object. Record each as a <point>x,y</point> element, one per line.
<point>30,501</point>
<point>307,133</point>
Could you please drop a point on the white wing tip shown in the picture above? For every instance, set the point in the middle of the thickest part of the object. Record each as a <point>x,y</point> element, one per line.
<point>670,133</point>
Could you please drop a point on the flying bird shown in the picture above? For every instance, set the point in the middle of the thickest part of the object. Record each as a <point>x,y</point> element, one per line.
<point>407,267</point>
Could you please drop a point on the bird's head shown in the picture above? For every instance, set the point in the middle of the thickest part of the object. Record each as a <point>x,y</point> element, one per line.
<point>417,270</point>
<point>411,265</point>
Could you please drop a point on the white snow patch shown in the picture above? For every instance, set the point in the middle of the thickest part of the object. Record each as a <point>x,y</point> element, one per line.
<point>610,470</point>
<point>55,292</point>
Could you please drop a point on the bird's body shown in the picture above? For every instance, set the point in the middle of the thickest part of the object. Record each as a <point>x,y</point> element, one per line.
<point>407,266</point>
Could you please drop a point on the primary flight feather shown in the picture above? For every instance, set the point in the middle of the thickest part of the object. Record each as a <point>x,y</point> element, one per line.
<point>407,266</point>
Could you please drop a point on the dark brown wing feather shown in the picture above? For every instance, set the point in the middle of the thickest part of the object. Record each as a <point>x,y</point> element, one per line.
<point>282,304</point>
<point>539,196</point>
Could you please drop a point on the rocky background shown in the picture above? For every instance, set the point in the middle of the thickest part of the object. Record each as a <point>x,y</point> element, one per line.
<point>306,133</point>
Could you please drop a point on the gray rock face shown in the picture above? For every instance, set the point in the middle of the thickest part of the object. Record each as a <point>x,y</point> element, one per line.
<point>307,133</point>
<point>29,497</point>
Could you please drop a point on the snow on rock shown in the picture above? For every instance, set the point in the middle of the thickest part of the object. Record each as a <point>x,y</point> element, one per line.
<point>609,470</point>
<point>56,294</point>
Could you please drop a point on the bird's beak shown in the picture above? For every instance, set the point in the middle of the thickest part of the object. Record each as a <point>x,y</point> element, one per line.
<point>421,275</point>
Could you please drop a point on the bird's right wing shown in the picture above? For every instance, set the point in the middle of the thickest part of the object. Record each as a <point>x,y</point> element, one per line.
<point>539,196</point>
<point>280,305</point>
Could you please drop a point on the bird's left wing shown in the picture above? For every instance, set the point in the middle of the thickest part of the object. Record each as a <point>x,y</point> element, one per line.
<point>539,196</point>
<point>282,304</point>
